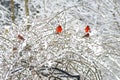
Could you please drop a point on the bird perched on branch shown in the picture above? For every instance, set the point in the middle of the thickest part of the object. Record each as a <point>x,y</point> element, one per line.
<point>20,37</point>
<point>14,48</point>
<point>87,30</point>
<point>58,29</point>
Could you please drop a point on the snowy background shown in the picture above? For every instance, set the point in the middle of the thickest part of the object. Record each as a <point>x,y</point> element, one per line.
<point>93,58</point>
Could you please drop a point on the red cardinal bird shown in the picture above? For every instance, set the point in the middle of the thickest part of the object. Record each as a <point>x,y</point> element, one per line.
<point>59,29</point>
<point>87,29</point>
<point>86,35</point>
<point>20,37</point>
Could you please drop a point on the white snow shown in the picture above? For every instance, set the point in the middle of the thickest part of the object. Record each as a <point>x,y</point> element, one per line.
<point>75,54</point>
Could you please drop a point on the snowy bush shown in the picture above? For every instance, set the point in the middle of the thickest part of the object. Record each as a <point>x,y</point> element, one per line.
<point>93,58</point>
